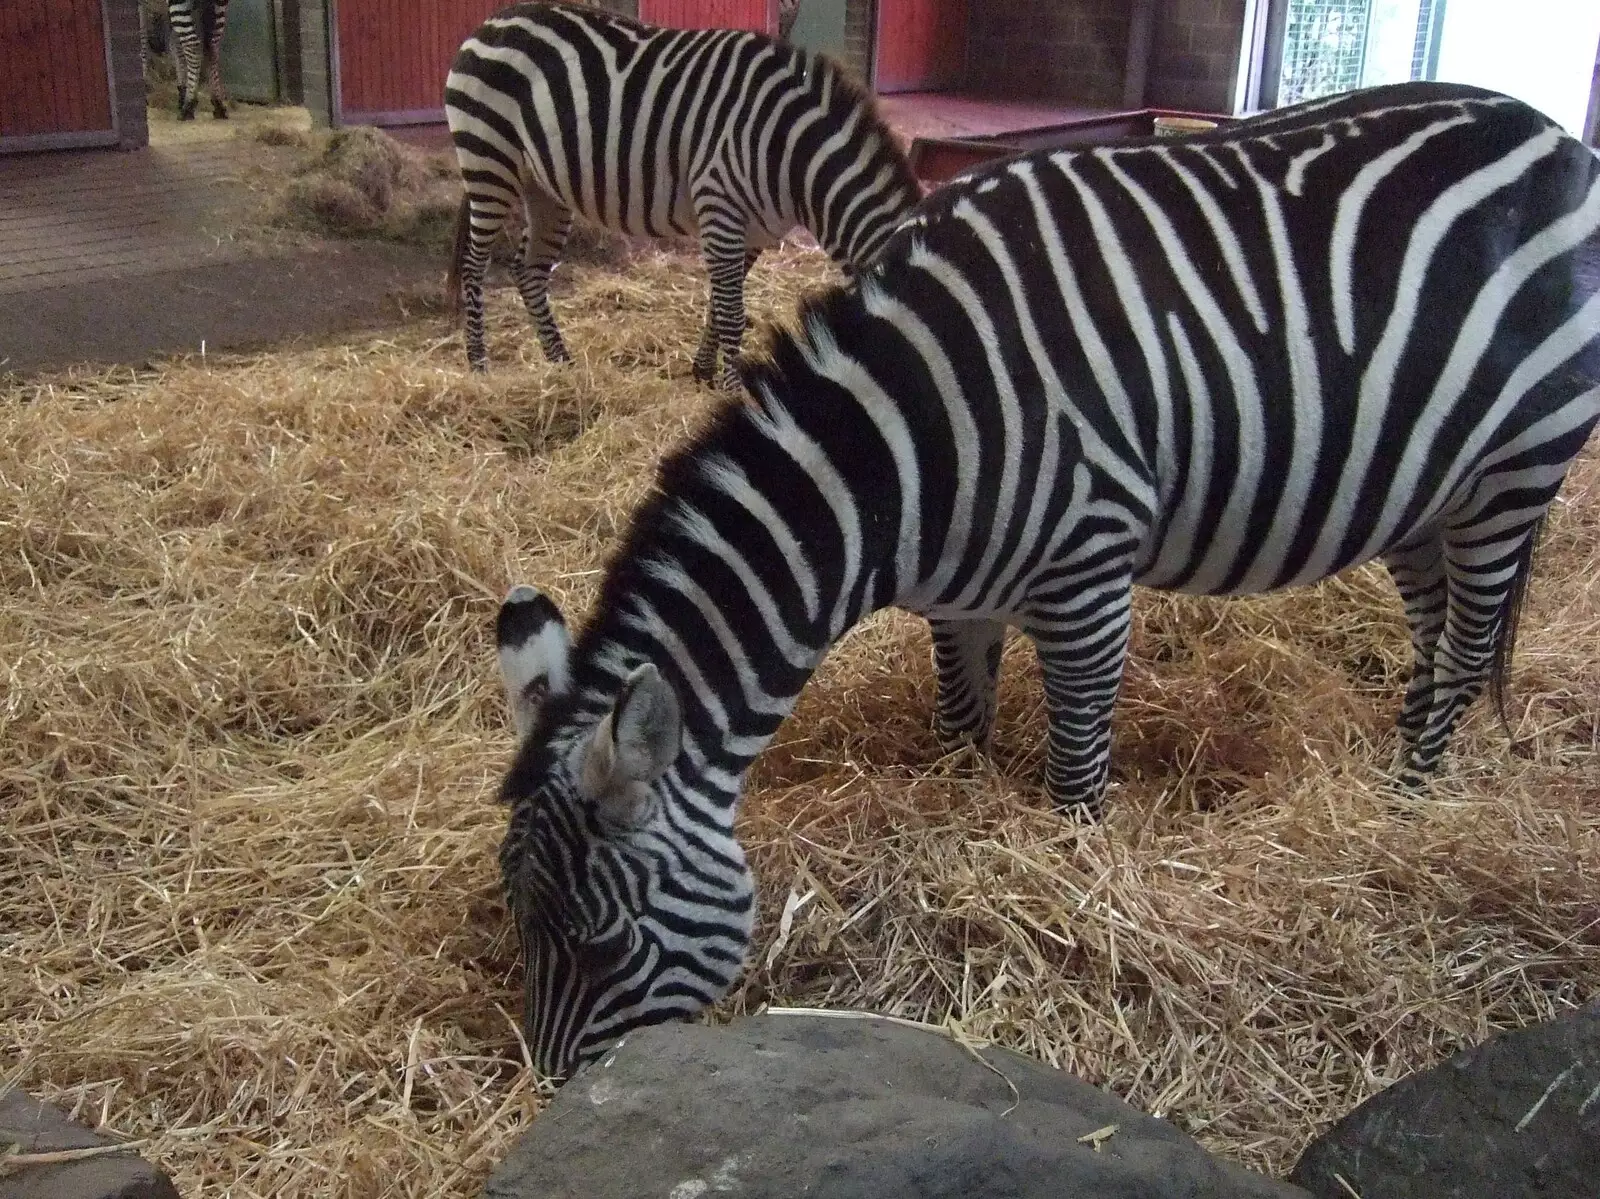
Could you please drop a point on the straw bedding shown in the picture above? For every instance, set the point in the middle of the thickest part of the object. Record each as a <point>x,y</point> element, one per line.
<point>251,726</point>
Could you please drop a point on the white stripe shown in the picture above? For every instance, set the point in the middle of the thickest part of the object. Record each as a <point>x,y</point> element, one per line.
<point>1224,547</point>
<point>1347,221</point>
<point>1305,401</point>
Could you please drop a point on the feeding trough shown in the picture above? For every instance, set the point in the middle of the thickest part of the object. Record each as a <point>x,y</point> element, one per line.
<point>938,159</point>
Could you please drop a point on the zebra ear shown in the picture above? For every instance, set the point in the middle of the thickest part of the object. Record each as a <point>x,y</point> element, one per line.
<point>535,652</point>
<point>632,747</point>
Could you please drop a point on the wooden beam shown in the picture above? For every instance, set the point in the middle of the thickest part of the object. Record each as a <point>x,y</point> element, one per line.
<point>1141,39</point>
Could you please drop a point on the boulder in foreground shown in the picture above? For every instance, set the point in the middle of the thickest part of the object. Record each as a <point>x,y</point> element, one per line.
<point>780,1106</point>
<point>37,1128</point>
<point>1515,1118</point>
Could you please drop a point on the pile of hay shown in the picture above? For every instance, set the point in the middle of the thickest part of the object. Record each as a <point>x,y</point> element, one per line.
<point>248,896</point>
<point>362,183</point>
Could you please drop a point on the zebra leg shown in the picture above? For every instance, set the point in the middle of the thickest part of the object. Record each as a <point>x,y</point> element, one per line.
<point>218,18</point>
<point>1418,574</point>
<point>966,659</point>
<point>486,214</point>
<point>1082,641</point>
<point>186,50</point>
<point>705,357</point>
<point>1485,569</point>
<point>544,236</point>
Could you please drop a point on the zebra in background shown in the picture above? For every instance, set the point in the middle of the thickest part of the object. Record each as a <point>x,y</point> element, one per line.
<point>654,132</point>
<point>1241,361</point>
<point>197,27</point>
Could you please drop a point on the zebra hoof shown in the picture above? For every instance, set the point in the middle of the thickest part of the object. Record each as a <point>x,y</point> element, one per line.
<point>951,740</point>
<point>1080,811</point>
<point>219,112</point>
<point>185,114</point>
<point>703,375</point>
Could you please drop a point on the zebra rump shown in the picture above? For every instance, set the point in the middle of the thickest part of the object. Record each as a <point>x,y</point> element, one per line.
<point>572,111</point>
<point>1361,328</point>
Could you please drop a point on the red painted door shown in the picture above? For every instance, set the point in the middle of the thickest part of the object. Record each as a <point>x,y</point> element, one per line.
<point>54,85</point>
<point>922,45</point>
<point>759,15</point>
<point>393,55</point>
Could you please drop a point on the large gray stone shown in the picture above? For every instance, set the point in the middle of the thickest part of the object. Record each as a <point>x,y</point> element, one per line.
<point>1517,1117</point>
<point>778,1107</point>
<point>37,1128</point>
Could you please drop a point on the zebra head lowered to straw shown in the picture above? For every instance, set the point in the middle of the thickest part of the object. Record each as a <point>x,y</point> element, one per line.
<point>657,132</point>
<point>1365,327</point>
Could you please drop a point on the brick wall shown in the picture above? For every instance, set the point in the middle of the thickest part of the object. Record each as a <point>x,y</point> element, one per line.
<point>1060,49</point>
<point>1195,57</point>
<point>858,24</point>
<point>127,72</point>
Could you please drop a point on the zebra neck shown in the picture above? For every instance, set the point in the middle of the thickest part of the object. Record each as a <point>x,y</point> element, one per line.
<point>734,592</point>
<point>853,190</point>
<point>736,664</point>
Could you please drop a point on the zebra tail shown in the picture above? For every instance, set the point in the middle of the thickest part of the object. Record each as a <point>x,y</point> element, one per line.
<point>452,279</point>
<point>1505,637</point>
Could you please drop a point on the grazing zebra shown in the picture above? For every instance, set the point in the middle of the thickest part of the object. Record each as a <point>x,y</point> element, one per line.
<point>655,132</point>
<point>1247,360</point>
<point>195,46</point>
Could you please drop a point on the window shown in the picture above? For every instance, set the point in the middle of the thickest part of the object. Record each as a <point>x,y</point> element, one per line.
<point>1305,49</point>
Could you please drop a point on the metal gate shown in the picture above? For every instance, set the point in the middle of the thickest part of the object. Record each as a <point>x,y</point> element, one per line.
<point>55,84</point>
<point>922,45</point>
<point>250,52</point>
<point>390,57</point>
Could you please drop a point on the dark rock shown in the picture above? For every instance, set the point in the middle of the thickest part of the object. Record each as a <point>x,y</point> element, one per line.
<point>1517,1116</point>
<point>34,1127</point>
<point>829,1108</point>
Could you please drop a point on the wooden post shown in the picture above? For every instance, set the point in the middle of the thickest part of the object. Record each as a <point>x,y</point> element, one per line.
<point>1141,30</point>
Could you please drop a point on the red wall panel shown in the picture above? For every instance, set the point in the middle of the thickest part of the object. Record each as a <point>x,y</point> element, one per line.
<point>394,54</point>
<point>759,15</point>
<point>54,78</point>
<point>922,44</point>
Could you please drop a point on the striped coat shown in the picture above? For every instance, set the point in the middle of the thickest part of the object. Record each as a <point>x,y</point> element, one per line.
<point>731,136</point>
<point>1362,328</point>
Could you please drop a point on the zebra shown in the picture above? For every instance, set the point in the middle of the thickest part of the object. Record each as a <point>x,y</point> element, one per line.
<point>1350,330</point>
<point>197,27</point>
<point>654,132</point>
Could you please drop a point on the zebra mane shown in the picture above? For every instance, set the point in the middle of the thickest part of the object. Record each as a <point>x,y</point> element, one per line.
<point>777,380</point>
<point>769,373</point>
<point>850,91</point>
<point>679,475</point>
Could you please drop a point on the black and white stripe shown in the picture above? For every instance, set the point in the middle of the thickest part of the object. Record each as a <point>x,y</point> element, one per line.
<point>1243,361</point>
<point>197,27</point>
<point>656,132</point>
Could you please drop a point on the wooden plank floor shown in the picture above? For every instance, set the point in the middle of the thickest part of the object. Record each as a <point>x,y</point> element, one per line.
<point>79,216</point>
